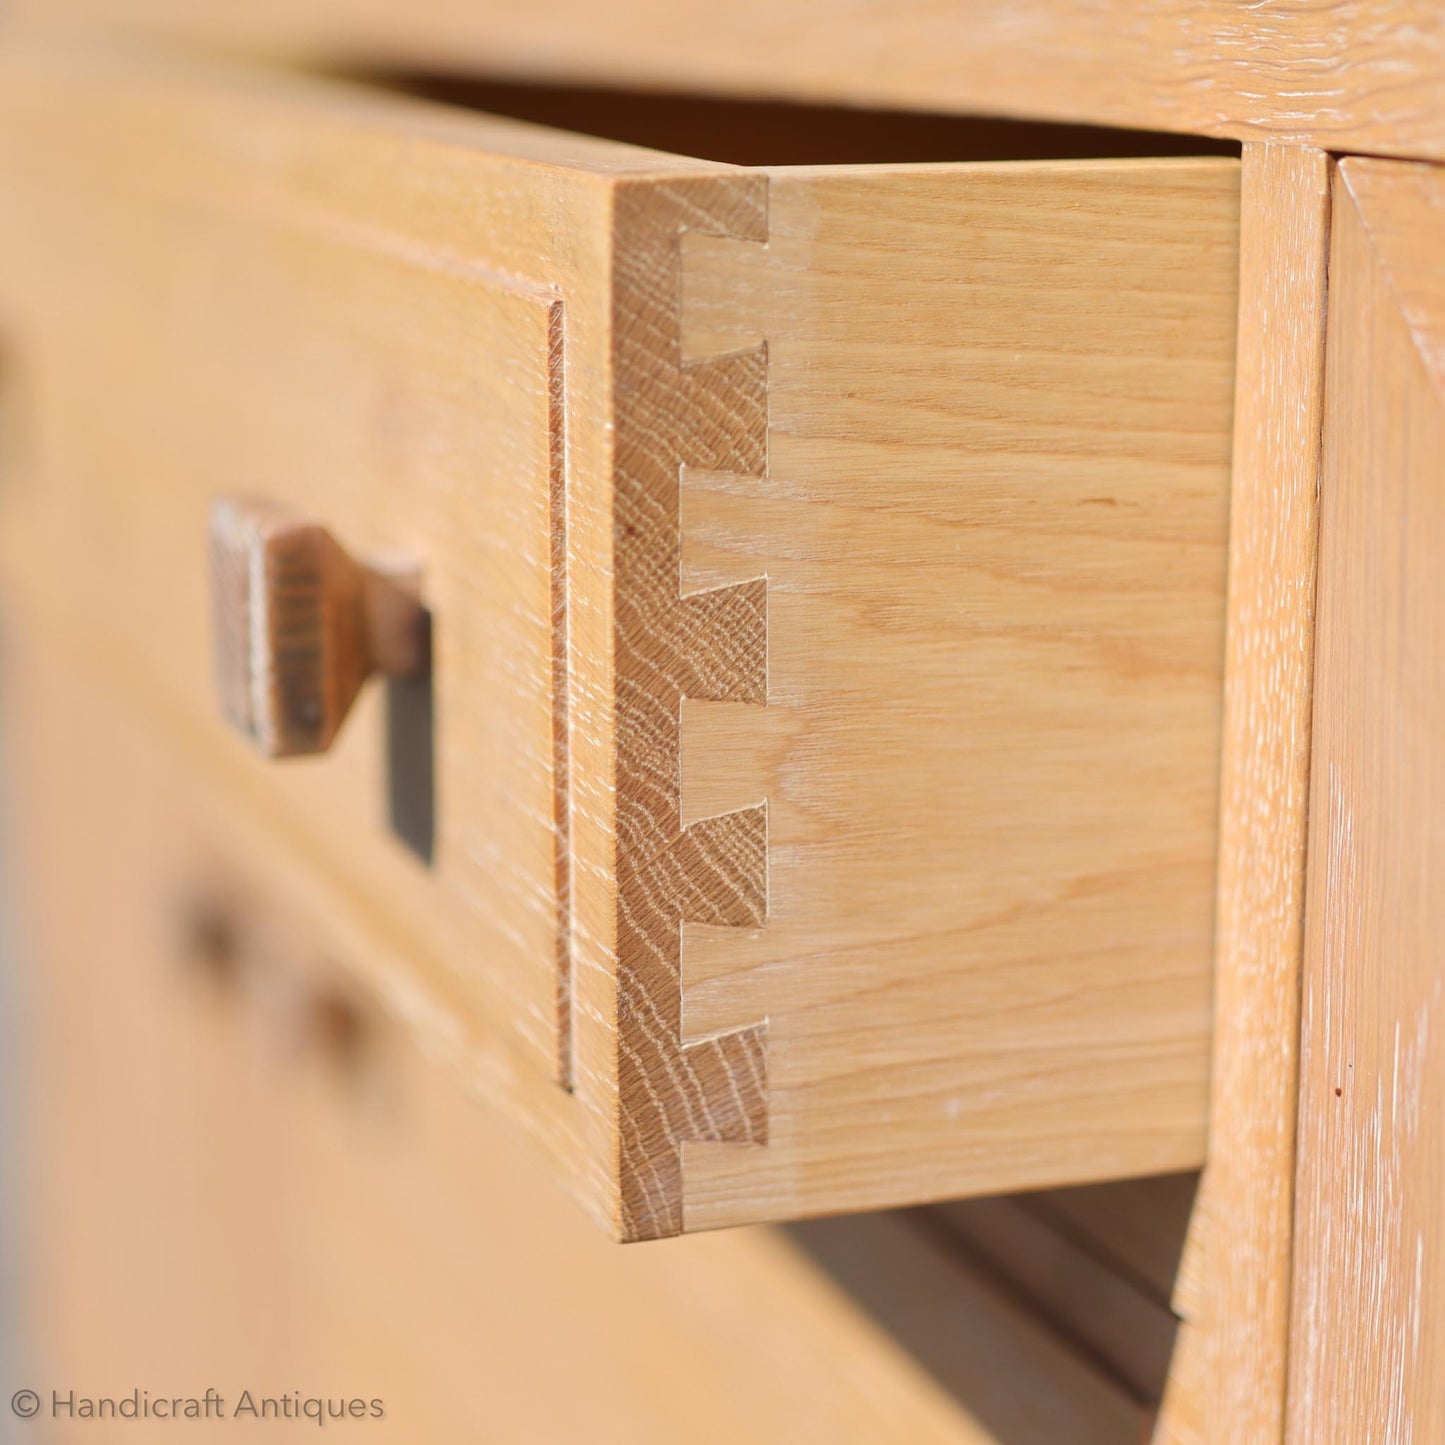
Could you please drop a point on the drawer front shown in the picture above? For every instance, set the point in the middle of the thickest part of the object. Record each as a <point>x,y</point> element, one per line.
<point>309,1207</point>
<point>826,579</point>
<point>401,327</point>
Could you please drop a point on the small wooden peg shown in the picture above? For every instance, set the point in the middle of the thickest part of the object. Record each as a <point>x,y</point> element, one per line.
<point>301,625</point>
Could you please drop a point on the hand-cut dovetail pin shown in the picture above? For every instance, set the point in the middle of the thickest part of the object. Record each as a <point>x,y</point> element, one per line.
<point>301,625</point>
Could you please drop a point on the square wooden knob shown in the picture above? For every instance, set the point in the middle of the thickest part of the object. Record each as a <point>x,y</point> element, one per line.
<point>301,625</point>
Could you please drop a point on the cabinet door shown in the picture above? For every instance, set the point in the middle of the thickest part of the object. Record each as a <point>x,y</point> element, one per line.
<point>1369,1306</point>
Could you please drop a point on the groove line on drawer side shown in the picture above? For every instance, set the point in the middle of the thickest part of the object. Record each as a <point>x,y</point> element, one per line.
<point>677,411</point>
<point>561,683</point>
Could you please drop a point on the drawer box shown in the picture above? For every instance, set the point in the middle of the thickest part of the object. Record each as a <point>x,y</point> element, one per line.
<point>826,571</point>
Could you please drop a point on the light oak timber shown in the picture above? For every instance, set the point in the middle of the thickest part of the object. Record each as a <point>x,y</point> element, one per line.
<point>259,233</point>
<point>392,1199</point>
<point>1369,1298</point>
<point>208,1195</point>
<point>1361,75</point>
<point>993,527</point>
<point>1235,1290</point>
<point>1027,902</point>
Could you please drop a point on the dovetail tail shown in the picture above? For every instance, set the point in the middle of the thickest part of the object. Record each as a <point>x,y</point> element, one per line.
<point>732,1069</point>
<point>721,869</point>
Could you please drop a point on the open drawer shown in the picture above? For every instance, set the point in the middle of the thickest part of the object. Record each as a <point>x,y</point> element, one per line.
<point>811,802</point>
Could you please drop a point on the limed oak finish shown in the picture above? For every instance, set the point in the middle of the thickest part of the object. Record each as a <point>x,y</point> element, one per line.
<point>238,1174</point>
<point>827,573</point>
<point>1369,1302</point>
<point>1363,75</point>
<point>371,244</point>
<point>1234,1292</point>
<point>993,543</point>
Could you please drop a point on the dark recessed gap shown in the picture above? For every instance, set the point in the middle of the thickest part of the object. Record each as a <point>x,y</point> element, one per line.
<point>411,756</point>
<point>775,133</point>
<point>967,1302</point>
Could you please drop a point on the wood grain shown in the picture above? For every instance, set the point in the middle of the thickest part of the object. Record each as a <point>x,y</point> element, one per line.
<point>1361,75</point>
<point>1369,1298</point>
<point>1235,1294</point>
<point>258,233</point>
<point>989,769</point>
<point>208,1196</point>
<point>675,411</point>
<point>418,325</point>
<point>826,570</point>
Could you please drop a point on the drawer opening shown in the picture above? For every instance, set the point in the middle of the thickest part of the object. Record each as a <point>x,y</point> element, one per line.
<point>1045,1315</point>
<point>780,133</point>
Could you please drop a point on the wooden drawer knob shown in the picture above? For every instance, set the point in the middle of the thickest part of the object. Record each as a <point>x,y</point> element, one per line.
<point>301,624</point>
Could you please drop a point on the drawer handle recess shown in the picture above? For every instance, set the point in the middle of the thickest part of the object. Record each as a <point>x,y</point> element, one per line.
<point>301,624</point>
